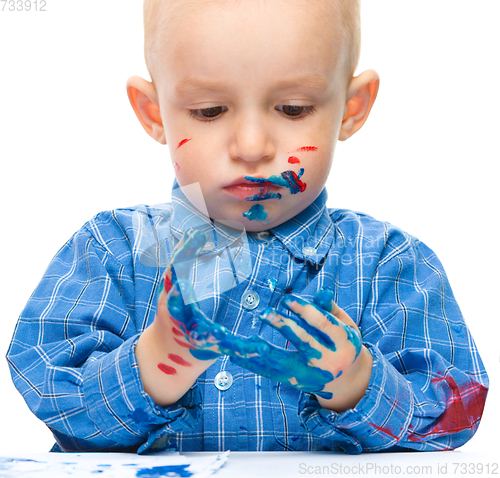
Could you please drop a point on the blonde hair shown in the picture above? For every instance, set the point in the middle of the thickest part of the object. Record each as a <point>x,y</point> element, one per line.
<point>347,12</point>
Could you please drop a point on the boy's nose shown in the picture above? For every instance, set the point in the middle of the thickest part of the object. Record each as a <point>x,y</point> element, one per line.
<point>252,141</point>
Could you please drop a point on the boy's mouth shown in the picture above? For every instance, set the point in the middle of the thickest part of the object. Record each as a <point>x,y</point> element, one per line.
<point>247,190</point>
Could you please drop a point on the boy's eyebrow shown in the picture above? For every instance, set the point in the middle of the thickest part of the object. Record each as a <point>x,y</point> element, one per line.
<point>314,81</point>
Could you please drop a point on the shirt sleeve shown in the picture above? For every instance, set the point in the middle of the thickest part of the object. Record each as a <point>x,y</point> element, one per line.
<point>428,385</point>
<point>72,355</point>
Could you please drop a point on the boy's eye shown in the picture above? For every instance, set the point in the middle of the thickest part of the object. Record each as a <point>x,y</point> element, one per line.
<point>208,114</point>
<point>294,111</point>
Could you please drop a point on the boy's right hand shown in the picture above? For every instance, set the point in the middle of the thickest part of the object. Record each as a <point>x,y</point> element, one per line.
<point>181,343</point>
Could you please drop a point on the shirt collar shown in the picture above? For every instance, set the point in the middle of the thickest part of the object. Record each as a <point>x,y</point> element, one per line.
<point>307,235</point>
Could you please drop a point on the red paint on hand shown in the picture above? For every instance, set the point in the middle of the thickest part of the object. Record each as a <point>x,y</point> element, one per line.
<point>167,283</point>
<point>184,141</point>
<point>177,332</point>
<point>184,344</point>
<point>293,160</point>
<point>179,360</point>
<point>166,369</point>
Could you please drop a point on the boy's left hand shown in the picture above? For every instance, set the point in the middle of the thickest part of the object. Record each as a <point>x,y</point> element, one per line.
<point>330,361</point>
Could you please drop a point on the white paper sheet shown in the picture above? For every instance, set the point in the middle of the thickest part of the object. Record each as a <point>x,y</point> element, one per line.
<point>110,465</point>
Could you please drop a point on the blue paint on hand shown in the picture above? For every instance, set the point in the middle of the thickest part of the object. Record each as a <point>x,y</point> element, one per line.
<point>256,213</point>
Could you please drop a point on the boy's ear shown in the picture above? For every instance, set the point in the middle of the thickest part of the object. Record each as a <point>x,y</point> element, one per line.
<point>361,95</point>
<point>144,99</point>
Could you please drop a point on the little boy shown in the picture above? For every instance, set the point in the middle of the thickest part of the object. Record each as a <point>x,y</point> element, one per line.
<point>248,342</point>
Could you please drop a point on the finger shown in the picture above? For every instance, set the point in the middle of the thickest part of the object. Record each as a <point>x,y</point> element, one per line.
<point>324,299</point>
<point>297,331</point>
<point>197,328</point>
<point>186,251</point>
<point>259,356</point>
<point>309,312</point>
<point>188,248</point>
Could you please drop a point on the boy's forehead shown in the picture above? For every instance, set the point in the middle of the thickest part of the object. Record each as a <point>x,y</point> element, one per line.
<point>163,18</point>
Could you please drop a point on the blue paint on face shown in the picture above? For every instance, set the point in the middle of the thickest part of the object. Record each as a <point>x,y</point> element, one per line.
<point>162,471</point>
<point>287,179</point>
<point>263,195</point>
<point>256,213</point>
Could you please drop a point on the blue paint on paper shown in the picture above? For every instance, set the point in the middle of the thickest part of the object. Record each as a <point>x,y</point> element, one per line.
<point>256,213</point>
<point>164,471</point>
<point>263,195</point>
<point>287,179</point>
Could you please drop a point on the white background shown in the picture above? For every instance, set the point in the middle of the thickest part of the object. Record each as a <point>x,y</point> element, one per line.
<point>70,146</point>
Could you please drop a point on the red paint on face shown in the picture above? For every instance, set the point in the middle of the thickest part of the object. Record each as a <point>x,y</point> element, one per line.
<point>166,369</point>
<point>302,186</point>
<point>184,141</point>
<point>305,149</point>
<point>179,360</point>
<point>464,408</point>
<point>293,160</point>
<point>176,168</point>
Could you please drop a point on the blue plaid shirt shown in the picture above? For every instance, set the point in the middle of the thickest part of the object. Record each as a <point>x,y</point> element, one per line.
<point>72,354</point>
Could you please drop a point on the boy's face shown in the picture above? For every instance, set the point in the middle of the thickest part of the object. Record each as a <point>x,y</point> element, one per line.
<point>251,89</point>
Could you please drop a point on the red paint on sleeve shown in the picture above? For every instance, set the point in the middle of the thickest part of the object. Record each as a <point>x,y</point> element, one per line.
<point>179,360</point>
<point>464,408</point>
<point>166,369</point>
<point>384,430</point>
<point>293,160</point>
<point>184,141</point>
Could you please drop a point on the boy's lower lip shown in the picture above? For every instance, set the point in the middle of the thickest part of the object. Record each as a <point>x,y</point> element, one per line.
<point>247,192</point>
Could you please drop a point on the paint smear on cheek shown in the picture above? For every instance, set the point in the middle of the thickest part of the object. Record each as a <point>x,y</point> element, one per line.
<point>183,142</point>
<point>176,167</point>
<point>293,160</point>
<point>166,369</point>
<point>305,149</point>
<point>179,360</point>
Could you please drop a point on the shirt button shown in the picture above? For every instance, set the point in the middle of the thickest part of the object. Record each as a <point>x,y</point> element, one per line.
<point>223,380</point>
<point>262,235</point>
<point>308,251</point>
<point>250,300</point>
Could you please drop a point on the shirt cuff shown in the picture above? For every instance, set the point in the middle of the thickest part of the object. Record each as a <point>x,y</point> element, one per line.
<point>123,411</point>
<point>380,419</point>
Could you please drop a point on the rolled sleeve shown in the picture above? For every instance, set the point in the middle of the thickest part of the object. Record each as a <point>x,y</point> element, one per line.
<point>122,410</point>
<point>379,420</point>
